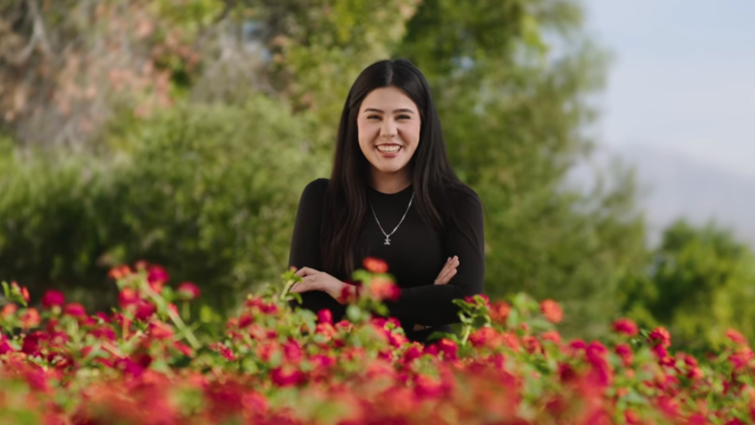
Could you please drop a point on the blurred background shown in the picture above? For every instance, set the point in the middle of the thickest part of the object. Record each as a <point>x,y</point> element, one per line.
<point>611,142</point>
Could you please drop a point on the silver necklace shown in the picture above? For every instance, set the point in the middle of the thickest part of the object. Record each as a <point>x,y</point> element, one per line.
<point>388,235</point>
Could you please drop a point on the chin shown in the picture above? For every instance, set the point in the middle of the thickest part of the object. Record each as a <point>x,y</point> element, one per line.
<point>390,170</point>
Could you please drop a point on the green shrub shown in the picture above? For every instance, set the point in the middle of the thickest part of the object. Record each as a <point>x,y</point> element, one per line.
<point>209,191</point>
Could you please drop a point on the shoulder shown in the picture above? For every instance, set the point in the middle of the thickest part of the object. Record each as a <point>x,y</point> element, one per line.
<point>314,192</point>
<point>317,186</point>
<point>463,197</point>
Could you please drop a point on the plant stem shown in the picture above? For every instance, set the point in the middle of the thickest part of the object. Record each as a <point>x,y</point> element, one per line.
<point>467,331</point>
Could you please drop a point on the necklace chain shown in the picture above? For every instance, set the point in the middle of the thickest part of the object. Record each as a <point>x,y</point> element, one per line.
<point>388,235</point>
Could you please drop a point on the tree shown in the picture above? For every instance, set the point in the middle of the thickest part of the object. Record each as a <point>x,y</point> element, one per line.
<point>699,282</point>
<point>511,80</point>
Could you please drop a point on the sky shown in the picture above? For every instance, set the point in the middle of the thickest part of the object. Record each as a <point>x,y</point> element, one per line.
<point>682,79</point>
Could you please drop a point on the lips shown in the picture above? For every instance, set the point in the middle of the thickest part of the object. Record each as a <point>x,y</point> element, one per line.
<point>388,149</point>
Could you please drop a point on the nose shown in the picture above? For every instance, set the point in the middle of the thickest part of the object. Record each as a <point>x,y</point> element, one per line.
<point>388,129</point>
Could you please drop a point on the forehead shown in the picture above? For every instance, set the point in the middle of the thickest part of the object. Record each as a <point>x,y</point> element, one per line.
<point>388,98</point>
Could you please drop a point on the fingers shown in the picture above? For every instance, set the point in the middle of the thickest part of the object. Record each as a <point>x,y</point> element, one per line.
<point>301,287</point>
<point>309,283</point>
<point>448,271</point>
<point>306,271</point>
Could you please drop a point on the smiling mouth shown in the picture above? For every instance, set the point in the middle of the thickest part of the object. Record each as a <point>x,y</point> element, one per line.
<point>388,148</point>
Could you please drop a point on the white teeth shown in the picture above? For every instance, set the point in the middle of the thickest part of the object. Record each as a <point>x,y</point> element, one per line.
<point>388,149</point>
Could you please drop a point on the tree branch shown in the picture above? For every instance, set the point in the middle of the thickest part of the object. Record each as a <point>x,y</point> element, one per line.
<point>38,36</point>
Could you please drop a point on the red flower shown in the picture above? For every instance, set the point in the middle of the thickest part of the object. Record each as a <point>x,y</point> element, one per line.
<point>736,337</point>
<point>499,312</point>
<point>551,336</point>
<point>127,297</point>
<point>9,310</point>
<point>577,345</point>
<point>552,311</point>
<point>75,310</point>
<point>531,344</point>
<point>119,272</point>
<point>144,310</point>
<point>741,358</point>
<point>660,336</point>
<point>184,349</point>
<point>156,277</point>
<point>187,291</point>
<point>625,352</point>
<point>482,337</point>
<point>30,318</point>
<point>375,265</point>
<point>21,290</point>
<point>53,298</point>
<point>383,289</point>
<point>5,347</point>
<point>223,350</point>
<point>626,327</point>
<point>30,345</point>
<point>448,348</point>
<point>286,376</point>
<point>160,330</point>
<point>325,316</point>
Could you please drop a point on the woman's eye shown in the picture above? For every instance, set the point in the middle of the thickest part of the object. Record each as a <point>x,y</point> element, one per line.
<point>404,117</point>
<point>373,117</point>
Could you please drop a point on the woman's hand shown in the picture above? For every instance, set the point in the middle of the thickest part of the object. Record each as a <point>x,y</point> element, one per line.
<point>448,271</point>
<point>318,281</point>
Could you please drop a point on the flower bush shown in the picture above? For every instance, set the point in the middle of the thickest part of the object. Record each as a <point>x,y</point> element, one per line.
<point>145,363</point>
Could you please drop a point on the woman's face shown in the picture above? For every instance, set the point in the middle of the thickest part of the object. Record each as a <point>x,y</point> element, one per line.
<point>389,126</point>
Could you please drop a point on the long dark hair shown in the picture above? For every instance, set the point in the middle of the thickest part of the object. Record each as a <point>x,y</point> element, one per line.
<point>346,199</point>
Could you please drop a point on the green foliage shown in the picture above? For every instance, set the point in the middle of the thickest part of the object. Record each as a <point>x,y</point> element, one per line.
<point>512,109</point>
<point>208,191</point>
<point>700,282</point>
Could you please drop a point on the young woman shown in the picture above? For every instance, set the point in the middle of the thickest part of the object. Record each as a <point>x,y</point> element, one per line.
<point>392,195</point>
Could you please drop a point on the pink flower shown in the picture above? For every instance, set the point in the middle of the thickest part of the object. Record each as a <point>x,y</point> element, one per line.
<point>552,311</point>
<point>127,297</point>
<point>626,327</point>
<point>448,348</point>
<point>325,316</point>
<point>472,299</point>
<point>144,310</point>
<point>188,291</point>
<point>660,336</point>
<point>53,298</point>
<point>223,350</point>
<point>5,346</point>
<point>736,337</point>
<point>625,352</point>
<point>160,330</point>
<point>413,352</point>
<point>157,277</point>
<point>286,376</point>
<point>741,357</point>
<point>74,310</point>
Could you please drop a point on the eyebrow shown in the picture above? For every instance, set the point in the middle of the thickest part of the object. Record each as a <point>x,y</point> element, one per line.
<point>394,111</point>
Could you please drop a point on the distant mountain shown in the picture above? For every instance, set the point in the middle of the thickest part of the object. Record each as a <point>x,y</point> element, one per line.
<point>676,186</point>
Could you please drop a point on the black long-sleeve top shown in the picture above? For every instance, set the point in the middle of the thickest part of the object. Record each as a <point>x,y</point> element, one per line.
<point>415,256</point>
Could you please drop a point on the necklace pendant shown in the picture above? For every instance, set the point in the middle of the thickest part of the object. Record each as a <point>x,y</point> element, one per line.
<point>387,240</point>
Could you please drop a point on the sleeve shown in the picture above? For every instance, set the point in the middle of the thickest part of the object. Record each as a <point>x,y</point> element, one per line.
<point>433,304</point>
<point>305,243</point>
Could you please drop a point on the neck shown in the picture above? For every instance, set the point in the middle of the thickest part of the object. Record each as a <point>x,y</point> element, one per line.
<point>390,182</point>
